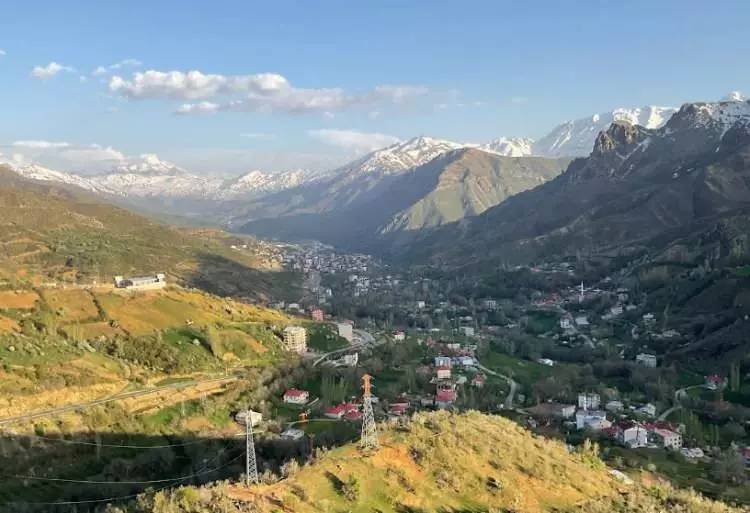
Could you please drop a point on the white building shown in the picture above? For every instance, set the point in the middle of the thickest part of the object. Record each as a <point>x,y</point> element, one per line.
<point>565,323</point>
<point>399,336</point>
<point>546,361</point>
<point>295,396</point>
<point>615,311</point>
<point>614,406</point>
<point>443,361</point>
<point>156,281</point>
<point>592,419</point>
<point>255,417</point>
<point>647,409</point>
<point>490,304</point>
<point>582,321</point>
<point>645,359</point>
<point>467,331</point>
<point>420,305</point>
<point>345,330</point>
<point>350,360</point>
<point>295,339</point>
<point>634,436</point>
<point>589,401</point>
<point>669,439</point>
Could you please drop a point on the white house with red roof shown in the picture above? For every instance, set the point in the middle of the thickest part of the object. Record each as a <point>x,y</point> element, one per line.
<point>295,396</point>
<point>445,398</point>
<point>340,410</point>
<point>443,372</point>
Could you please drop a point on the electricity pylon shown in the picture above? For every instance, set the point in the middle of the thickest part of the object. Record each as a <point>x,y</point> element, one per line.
<point>369,438</point>
<point>251,466</point>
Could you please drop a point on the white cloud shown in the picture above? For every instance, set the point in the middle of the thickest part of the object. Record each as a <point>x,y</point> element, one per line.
<point>50,70</point>
<point>353,140</point>
<point>263,92</point>
<point>2,52</point>
<point>103,70</point>
<point>85,158</point>
<point>40,144</point>
<point>518,100</point>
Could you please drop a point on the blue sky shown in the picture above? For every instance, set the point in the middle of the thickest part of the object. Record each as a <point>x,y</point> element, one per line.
<point>311,84</point>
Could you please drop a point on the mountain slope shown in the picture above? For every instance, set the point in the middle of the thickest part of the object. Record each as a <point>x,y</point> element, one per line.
<point>452,186</point>
<point>51,232</point>
<point>445,462</point>
<point>637,185</point>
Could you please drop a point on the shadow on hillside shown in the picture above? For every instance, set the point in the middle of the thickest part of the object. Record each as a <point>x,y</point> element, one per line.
<point>83,472</point>
<point>225,277</point>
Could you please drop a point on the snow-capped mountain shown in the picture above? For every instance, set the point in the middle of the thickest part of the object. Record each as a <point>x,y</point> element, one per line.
<point>509,146</point>
<point>147,164</point>
<point>576,138</point>
<point>34,171</point>
<point>257,182</point>
<point>400,156</point>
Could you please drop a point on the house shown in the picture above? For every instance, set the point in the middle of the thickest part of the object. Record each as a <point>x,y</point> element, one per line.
<point>478,380</point>
<point>443,361</point>
<point>463,361</point>
<point>338,411</point>
<point>647,409</point>
<point>645,359</point>
<point>316,314</point>
<point>467,331</point>
<point>582,321</point>
<point>295,339</point>
<point>295,396</point>
<point>445,398</point>
<point>592,419</point>
<point>153,282</point>
<point>399,336</point>
<point>615,311</point>
<point>345,330</point>
<point>420,305</point>
<point>293,434</point>
<point>715,382</point>
<point>255,417</point>
<point>565,323</point>
<point>398,408</point>
<point>546,361</point>
<point>667,438</point>
<point>353,415</point>
<point>614,406</point>
<point>443,372</point>
<point>649,319</point>
<point>589,401</point>
<point>632,434</point>
<point>490,304</point>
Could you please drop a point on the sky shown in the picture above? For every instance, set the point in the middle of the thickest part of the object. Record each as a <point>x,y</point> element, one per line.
<point>223,87</point>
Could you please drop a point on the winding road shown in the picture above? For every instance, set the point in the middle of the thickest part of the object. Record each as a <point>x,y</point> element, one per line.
<point>508,404</point>
<point>678,394</point>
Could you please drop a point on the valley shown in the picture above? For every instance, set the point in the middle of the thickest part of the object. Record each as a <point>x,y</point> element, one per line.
<point>586,315</point>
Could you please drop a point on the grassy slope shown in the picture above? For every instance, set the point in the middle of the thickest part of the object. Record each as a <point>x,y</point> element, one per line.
<point>52,233</point>
<point>446,463</point>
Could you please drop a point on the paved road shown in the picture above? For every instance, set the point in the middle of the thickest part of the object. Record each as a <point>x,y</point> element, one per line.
<point>361,339</point>
<point>678,395</point>
<point>508,404</point>
<point>104,400</point>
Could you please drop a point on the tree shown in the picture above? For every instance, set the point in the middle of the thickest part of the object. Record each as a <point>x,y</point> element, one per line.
<point>729,467</point>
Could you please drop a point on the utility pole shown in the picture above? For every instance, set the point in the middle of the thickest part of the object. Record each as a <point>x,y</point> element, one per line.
<point>369,439</point>
<point>251,466</point>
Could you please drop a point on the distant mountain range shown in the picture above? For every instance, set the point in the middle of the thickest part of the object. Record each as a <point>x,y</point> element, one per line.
<point>149,177</point>
<point>641,190</point>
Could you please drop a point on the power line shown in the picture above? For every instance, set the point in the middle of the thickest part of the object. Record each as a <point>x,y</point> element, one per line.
<point>124,446</point>
<point>124,497</point>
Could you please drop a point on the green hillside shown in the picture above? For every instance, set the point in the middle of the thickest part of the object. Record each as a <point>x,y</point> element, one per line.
<point>443,462</point>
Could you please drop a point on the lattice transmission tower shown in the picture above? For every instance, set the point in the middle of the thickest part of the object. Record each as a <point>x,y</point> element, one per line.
<point>369,430</point>
<point>251,466</point>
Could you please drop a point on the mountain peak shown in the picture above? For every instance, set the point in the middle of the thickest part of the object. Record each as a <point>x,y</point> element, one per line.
<point>148,164</point>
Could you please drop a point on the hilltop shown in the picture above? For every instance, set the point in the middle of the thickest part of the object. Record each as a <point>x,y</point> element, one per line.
<point>444,462</point>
